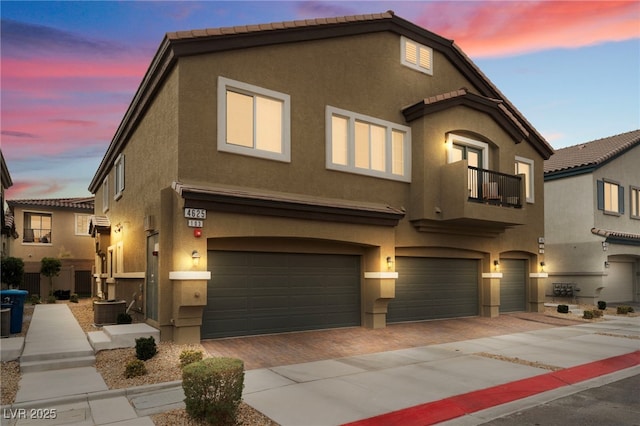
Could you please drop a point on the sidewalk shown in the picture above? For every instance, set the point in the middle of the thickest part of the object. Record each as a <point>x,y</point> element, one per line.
<point>398,385</point>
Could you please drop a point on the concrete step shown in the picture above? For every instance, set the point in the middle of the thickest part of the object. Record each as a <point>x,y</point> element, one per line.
<point>54,356</point>
<point>57,364</point>
<point>121,336</point>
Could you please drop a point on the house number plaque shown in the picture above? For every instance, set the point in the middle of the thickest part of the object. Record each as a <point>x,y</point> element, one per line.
<point>190,213</point>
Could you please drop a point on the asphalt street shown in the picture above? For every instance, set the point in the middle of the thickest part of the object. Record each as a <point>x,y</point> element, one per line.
<point>613,404</point>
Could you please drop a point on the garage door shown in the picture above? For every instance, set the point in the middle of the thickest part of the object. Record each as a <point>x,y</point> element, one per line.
<point>513,297</point>
<point>258,293</point>
<point>618,283</point>
<point>430,288</point>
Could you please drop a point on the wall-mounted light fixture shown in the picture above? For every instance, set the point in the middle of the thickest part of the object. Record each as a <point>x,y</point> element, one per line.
<point>605,246</point>
<point>195,257</point>
<point>542,264</point>
<point>606,264</point>
<point>118,228</point>
<point>496,265</point>
<point>389,263</point>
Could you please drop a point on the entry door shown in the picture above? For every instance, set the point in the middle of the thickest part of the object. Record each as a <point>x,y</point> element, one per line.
<point>474,159</point>
<point>151,300</point>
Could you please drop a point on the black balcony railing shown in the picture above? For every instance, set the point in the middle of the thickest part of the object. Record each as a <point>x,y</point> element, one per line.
<point>487,186</point>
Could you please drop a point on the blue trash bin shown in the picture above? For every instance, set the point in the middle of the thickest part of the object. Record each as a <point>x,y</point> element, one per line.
<point>16,298</point>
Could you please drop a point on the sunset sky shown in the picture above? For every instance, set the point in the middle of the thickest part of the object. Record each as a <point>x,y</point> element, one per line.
<point>70,69</point>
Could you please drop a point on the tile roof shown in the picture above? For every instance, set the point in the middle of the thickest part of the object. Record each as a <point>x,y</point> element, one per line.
<point>86,203</point>
<point>591,154</point>
<point>245,29</point>
<point>615,235</point>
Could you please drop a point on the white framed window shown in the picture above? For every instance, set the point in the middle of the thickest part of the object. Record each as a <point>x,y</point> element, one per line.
<point>118,167</point>
<point>253,121</point>
<point>366,145</point>
<point>634,197</point>
<point>417,56</point>
<point>105,194</point>
<point>82,224</point>
<point>524,166</point>
<point>475,152</point>
<point>37,228</point>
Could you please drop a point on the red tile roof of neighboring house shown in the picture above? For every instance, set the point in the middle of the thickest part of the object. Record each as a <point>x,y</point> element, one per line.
<point>590,155</point>
<point>86,203</point>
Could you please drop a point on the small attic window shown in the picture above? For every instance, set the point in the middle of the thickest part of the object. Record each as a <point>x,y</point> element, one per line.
<point>416,56</point>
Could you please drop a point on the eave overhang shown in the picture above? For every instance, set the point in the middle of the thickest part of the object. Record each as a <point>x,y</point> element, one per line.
<point>615,237</point>
<point>99,225</point>
<point>492,107</point>
<point>294,206</point>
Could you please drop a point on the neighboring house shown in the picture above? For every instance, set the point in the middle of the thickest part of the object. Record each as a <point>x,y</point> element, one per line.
<point>592,218</point>
<point>56,228</point>
<point>7,228</point>
<point>351,171</point>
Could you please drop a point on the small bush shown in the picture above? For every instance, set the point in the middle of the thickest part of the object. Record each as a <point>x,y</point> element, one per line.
<point>602,305</point>
<point>146,348</point>
<point>563,309</point>
<point>213,389</point>
<point>34,299</point>
<point>189,356</point>
<point>624,310</point>
<point>135,368</point>
<point>124,318</point>
<point>587,315</point>
<point>74,298</point>
<point>51,299</point>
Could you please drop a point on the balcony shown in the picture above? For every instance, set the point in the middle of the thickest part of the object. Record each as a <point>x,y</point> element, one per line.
<point>475,201</point>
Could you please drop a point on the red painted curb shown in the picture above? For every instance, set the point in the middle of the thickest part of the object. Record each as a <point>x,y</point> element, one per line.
<point>449,408</point>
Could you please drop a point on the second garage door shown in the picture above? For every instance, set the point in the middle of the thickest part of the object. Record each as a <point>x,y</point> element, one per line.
<point>431,288</point>
<point>513,296</point>
<point>258,293</point>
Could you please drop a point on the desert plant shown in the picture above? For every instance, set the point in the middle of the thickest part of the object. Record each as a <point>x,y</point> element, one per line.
<point>12,271</point>
<point>602,305</point>
<point>189,356</point>
<point>74,298</point>
<point>34,299</point>
<point>146,348</point>
<point>563,309</point>
<point>135,368</point>
<point>623,310</point>
<point>587,315</point>
<point>124,318</point>
<point>50,267</point>
<point>213,389</point>
<point>51,299</point>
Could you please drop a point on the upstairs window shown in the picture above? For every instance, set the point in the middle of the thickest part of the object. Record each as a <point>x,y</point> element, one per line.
<point>253,121</point>
<point>416,56</point>
<point>635,202</point>
<point>524,166</point>
<point>119,176</point>
<point>82,224</point>
<point>37,228</point>
<point>365,145</point>
<point>105,194</point>
<point>610,197</point>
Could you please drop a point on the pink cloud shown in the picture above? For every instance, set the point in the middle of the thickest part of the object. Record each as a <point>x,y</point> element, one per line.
<point>491,29</point>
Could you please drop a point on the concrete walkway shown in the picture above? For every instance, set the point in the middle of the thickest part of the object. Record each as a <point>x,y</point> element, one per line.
<point>336,391</point>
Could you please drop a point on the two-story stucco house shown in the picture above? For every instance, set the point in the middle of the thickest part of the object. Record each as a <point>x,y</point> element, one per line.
<point>58,228</point>
<point>7,228</point>
<point>352,171</point>
<point>592,218</point>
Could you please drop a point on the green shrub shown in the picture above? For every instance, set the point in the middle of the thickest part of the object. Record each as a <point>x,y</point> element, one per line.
<point>587,315</point>
<point>135,368</point>
<point>602,305</point>
<point>51,299</point>
<point>189,356</point>
<point>11,271</point>
<point>146,348</point>
<point>73,298</point>
<point>34,299</point>
<point>624,310</point>
<point>213,389</point>
<point>563,309</point>
<point>124,318</point>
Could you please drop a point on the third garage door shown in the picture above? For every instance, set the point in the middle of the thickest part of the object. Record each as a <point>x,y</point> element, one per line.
<point>257,293</point>
<point>431,288</point>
